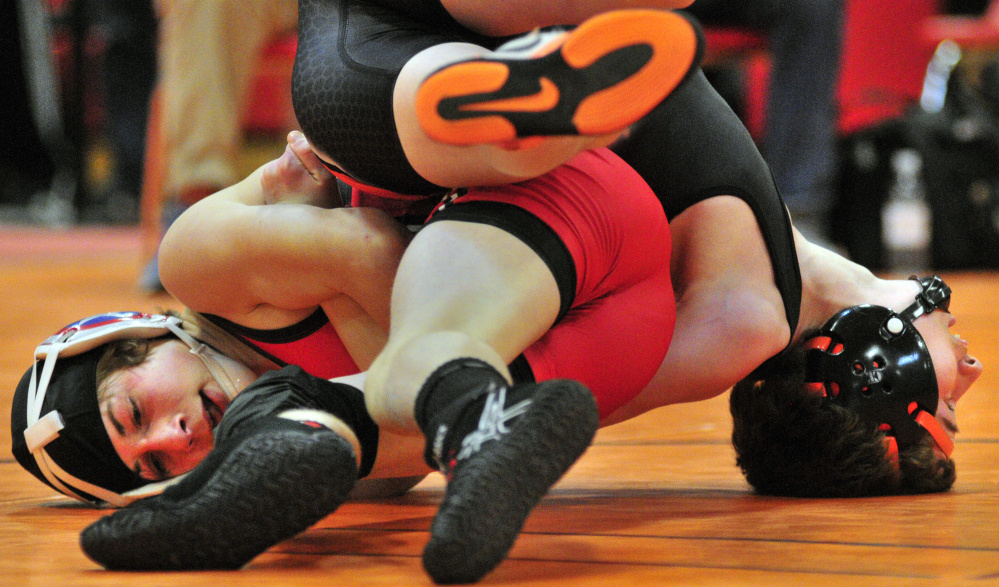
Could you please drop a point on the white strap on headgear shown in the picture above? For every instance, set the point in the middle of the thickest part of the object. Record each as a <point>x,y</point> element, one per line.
<point>37,386</point>
<point>202,351</point>
<point>40,431</point>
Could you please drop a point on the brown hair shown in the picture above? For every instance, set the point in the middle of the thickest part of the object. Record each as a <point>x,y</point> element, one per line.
<point>119,355</point>
<point>123,354</point>
<point>791,442</point>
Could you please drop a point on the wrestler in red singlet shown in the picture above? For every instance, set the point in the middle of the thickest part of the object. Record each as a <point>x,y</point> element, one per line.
<point>617,236</point>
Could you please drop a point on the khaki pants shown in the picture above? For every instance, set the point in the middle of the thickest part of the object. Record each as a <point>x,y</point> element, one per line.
<point>208,51</point>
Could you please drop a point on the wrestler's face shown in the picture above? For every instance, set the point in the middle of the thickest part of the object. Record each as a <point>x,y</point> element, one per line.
<point>160,414</point>
<point>955,369</point>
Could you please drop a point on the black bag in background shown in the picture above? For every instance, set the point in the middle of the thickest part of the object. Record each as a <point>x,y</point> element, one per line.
<point>965,7</point>
<point>959,146</point>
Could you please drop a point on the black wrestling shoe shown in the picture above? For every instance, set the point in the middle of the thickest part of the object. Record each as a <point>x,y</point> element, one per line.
<point>252,492</point>
<point>596,79</point>
<point>499,474</point>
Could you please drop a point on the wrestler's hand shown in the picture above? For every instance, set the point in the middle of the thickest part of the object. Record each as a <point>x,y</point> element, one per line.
<point>297,176</point>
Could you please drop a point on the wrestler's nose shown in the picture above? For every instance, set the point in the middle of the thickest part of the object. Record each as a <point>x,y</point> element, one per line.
<point>171,434</point>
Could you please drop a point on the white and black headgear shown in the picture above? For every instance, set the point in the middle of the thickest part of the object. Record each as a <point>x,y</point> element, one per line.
<point>56,427</point>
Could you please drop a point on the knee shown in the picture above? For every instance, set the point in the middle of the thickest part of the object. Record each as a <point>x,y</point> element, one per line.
<point>397,375</point>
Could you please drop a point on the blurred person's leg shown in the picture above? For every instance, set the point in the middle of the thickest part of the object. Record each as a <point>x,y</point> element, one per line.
<point>129,27</point>
<point>208,54</point>
<point>799,144</point>
<point>804,41</point>
<point>44,162</point>
<point>24,164</point>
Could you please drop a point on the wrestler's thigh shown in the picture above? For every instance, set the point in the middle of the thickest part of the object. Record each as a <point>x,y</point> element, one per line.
<point>475,279</point>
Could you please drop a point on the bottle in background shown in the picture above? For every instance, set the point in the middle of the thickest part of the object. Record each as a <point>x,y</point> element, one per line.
<point>906,222</point>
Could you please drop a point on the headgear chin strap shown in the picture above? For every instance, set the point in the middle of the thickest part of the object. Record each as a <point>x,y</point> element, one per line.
<point>874,362</point>
<point>68,447</point>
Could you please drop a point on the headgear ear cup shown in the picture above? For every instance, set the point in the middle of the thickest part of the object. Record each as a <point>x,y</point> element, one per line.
<point>878,376</point>
<point>82,447</point>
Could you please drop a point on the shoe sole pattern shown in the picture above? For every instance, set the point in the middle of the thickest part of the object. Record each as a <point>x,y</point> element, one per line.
<point>270,488</point>
<point>597,79</point>
<point>491,494</point>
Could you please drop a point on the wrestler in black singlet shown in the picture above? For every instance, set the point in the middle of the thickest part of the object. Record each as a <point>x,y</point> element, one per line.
<point>690,148</point>
<point>693,147</point>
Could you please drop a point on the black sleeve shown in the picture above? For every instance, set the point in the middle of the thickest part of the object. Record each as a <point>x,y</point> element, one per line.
<point>292,388</point>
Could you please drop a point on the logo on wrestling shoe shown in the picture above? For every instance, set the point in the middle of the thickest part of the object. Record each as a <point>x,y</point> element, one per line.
<point>545,99</point>
<point>492,422</point>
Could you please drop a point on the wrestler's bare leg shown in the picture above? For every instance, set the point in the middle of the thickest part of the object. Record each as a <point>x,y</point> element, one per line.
<point>462,290</point>
<point>468,298</point>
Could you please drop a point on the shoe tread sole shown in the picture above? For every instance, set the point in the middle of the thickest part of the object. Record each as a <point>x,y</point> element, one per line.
<point>491,494</point>
<point>604,76</point>
<point>270,488</point>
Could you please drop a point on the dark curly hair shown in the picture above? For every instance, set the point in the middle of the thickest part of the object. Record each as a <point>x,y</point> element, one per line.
<point>791,442</point>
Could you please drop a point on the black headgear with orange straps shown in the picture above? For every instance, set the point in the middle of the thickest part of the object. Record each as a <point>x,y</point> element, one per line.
<point>874,362</point>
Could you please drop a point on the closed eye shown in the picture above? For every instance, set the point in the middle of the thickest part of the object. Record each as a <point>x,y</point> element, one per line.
<point>119,428</point>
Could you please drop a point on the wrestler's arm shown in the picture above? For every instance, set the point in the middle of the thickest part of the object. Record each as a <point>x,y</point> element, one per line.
<point>259,265</point>
<point>729,315</point>
<point>510,17</point>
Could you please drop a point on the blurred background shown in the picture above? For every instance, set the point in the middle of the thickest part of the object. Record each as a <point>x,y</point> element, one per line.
<point>879,117</point>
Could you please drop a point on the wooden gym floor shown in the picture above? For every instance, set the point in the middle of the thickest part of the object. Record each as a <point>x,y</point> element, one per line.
<point>655,501</point>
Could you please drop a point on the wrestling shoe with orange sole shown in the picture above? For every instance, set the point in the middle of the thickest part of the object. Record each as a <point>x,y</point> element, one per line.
<point>596,79</point>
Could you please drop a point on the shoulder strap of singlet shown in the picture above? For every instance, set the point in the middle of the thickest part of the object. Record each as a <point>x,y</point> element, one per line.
<point>692,147</point>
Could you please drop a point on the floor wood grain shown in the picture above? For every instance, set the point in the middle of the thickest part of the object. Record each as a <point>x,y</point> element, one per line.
<point>656,501</point>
